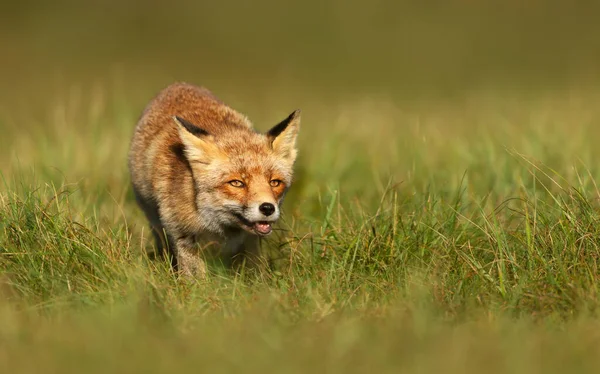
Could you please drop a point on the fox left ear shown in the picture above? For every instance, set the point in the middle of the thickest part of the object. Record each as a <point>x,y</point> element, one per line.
<point>283,136</point>
<point>198,143</point>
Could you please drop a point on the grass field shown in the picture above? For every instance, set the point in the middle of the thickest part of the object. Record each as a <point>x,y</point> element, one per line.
<point>450,231</point>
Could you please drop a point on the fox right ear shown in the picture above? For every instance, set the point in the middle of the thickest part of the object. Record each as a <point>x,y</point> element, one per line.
<point>198,143</point>
<point>283,136</point>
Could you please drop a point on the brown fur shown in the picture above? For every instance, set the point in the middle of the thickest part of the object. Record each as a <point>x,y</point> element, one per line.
<point>186,149</point>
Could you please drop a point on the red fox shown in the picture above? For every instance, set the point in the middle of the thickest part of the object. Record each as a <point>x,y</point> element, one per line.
<point>203,175</point>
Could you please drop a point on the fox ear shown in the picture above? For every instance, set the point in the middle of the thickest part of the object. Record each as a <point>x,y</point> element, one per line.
<point>198,143</point>
<point>283,136</point>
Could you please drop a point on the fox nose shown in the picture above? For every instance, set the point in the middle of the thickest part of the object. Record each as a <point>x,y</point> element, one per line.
<point>266,208</point>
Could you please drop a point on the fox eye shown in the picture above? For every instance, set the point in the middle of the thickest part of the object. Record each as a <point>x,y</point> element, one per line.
<point>236,183</point>
<point>275,183</point>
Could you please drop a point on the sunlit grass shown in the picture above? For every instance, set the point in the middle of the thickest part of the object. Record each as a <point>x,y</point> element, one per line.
<point>454,236</point>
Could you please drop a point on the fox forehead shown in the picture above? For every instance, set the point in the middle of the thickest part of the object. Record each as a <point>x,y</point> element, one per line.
<point>255,146</point>
<point>253,166</point>
<point>248,157</point>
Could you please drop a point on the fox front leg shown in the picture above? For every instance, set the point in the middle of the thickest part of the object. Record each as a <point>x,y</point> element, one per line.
<point>189,260</point>
<point>249,256</point>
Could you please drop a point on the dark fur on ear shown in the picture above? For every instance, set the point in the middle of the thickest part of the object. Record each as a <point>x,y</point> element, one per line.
<point>278,129</point>
<point>283,137</point>
<point>190,127</point>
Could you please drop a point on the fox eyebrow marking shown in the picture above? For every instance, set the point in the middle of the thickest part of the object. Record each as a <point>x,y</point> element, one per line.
<point>193,129</point>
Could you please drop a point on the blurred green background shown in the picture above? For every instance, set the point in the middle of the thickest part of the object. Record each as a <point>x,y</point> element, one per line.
<point>323,48</point>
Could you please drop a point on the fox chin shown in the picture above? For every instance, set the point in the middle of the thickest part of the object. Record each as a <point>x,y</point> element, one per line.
<point>206,179</point>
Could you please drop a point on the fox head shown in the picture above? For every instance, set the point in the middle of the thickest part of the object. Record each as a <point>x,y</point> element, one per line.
<point>240,176</point>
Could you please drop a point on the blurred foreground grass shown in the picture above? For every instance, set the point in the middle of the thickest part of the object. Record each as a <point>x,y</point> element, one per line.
<point>444,216</point>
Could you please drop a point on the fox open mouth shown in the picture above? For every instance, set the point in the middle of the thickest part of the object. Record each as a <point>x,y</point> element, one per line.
<point>261,228</point>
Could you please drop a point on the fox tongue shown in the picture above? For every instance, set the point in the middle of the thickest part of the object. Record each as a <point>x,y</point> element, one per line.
<point>263,227</point>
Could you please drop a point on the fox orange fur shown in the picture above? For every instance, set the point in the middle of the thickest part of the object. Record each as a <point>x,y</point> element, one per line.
<point>203,175</point>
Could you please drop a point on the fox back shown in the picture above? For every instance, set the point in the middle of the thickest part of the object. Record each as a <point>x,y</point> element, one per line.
<point>202,174</point>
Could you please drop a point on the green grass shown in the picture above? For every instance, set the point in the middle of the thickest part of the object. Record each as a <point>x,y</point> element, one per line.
<point>444,216</point>
<point>455,236</point>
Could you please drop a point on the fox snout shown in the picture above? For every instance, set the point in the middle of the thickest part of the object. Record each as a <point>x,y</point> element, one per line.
<point>259,217</point>
<point>265,211</point>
